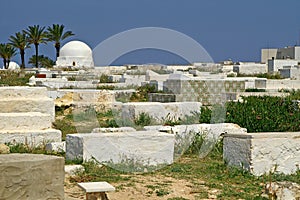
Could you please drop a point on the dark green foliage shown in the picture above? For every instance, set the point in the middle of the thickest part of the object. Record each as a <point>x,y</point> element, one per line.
<point>258,114</point>
<point>43,61</point>
<point>143,119</point>
<point>105,79</point>
<point>213,114</point>
<point>105,87</point>
<point>264,114</point>
<point>142,93</point>
<point>264,75</point>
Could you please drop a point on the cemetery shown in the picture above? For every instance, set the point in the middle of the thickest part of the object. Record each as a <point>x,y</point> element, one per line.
<point>205,130</point>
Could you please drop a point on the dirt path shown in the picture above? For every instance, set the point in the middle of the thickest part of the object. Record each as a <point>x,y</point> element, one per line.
<point>146,188</point>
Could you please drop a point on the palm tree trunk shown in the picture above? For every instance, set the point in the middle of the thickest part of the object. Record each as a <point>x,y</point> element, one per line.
<point>22,52</point>
<point>57,47</point>
<point>8,61</point>
<point>4,63</point>
<point>36,55</point>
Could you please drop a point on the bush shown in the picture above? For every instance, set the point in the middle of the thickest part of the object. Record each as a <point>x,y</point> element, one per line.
<point>105,79</point>
<point>142,93</point>
<point>264,114</point>
<point>11,78</point>
<point>143,119</point>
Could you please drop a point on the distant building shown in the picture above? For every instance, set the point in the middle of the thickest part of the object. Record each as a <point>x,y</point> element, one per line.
<point>292,53</point>
<point>274,65</point>
<point>290,72</point>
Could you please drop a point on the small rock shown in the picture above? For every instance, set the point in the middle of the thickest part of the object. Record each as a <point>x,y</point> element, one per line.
<point>4,149</point>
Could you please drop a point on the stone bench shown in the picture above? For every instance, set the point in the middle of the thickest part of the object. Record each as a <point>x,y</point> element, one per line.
<point>96,190</point>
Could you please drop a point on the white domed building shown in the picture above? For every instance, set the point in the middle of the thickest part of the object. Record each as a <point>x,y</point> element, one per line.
<point>75,54</point>
<point>12,66</point>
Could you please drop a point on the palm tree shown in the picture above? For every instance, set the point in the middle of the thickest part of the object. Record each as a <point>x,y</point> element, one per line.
<point>20,41</point>
<point>2,53</point>
<point>43,61</point>
<point>6,52</point>
<point>56,34</point>
<point>36,35</point>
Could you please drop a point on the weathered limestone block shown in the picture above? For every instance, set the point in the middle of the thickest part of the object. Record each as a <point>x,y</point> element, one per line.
<point>30,137</point>
<point>144,147</point>
<point>22,92</point>
<point>25,121</point>
<point>26,99</point>
<point>160,111</point>
<point>263,152</point>
<point>20,105</point>
<point>31,177</point>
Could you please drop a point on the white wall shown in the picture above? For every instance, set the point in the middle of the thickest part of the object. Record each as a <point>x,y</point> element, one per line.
<point>276,64</point>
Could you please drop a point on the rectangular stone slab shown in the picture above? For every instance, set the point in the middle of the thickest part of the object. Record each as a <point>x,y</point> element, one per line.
<point>145,147</point>
<point>31,176</point>
<point>97,187</point>
<point>30,137</point>
<point>21,105</point>
<point>22,92</point>
<point>25,121</point>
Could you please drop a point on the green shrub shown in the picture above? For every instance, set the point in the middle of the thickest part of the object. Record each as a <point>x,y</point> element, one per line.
<point>143,119</point>
<point>259,114</point>
<point>12,78</point>
<point>142,93</point>
<point>105,79</point>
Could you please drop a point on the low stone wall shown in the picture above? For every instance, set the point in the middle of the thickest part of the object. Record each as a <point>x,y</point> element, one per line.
<point>263,152</point>
<point>149,148</point>
<point>31,176</point>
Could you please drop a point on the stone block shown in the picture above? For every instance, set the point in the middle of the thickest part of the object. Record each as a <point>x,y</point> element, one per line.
<point>25,121</point>
<point>22,92</point>
<point>30,137</point>
<point>160,111</point>
<point>31,176</point>
<point>143,147</point>
<point>263,152</point>
<point>21,105</point>
<point>56,146</point>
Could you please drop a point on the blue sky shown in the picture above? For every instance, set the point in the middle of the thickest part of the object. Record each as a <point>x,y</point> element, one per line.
<point>226,29</point>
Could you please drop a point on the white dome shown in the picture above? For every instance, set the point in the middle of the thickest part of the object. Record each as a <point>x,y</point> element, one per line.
<point>75,49</point>
<point>13,65</point>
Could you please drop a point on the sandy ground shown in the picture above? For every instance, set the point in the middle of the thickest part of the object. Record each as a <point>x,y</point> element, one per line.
<point>145,188</point>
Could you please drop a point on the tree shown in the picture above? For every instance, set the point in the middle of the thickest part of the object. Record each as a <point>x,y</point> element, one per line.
<point>6,52</point>
<point>20,41</point>
<point>43,61</point>
<point>56,34</point>
<point>36,35</point>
